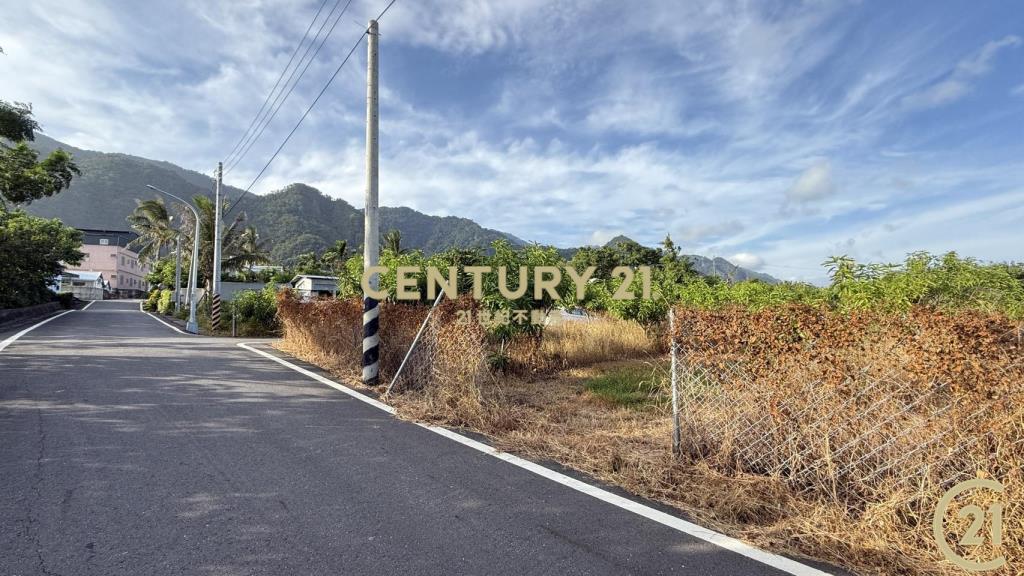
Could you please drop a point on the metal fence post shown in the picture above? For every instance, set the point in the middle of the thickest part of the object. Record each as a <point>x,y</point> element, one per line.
<point>676,435</point>
<point>414,342</point>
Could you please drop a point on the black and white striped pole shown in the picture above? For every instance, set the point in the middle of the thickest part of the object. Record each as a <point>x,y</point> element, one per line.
<point>371,232</point>
<point>215,281</point>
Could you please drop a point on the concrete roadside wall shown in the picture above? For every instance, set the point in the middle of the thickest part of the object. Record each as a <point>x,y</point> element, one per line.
<point>19,314</point>
<point>228,290</point>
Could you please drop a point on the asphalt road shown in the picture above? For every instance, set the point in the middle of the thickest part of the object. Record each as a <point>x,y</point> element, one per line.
<point>127,448</point>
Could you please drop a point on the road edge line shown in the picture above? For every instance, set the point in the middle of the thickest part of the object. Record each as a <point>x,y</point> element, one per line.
<point>171,326</point>
<point>86,307</point>
<point>697,531</point>
<point>326,381</point>
<point>11,339</point>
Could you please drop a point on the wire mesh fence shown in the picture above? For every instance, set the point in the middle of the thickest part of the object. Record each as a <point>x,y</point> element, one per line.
<point>447,352</point>
<point>868,434</point>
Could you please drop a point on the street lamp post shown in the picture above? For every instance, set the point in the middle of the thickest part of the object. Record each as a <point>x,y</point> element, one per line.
<point>177,274</point>
<point>177,268</point>
<point>190,326</point>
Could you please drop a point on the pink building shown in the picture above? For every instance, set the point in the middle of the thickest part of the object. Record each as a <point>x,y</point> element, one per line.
<point>106,251</point>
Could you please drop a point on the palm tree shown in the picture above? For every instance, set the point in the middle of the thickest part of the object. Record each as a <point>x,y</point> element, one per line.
<point>393,242</point>
<point>336,255</point>
<point>152,221</point>
<point>240,247</point>
<point>245,250</point>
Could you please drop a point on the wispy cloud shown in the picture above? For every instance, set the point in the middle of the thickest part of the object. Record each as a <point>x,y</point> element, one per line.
<point>958,82</point>
<point>564,122</point>
<point>815,183</point>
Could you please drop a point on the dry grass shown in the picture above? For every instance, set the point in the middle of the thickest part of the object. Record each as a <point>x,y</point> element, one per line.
<point>556,418</point>
<point>766,363</point>
<point>584,343</point>
<point>577,343</point>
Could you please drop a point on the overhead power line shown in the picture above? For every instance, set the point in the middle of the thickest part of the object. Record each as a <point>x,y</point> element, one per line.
<point>282,96</point>
<point>297,124</point>
<point>323,90</point>
<point>280,77</point>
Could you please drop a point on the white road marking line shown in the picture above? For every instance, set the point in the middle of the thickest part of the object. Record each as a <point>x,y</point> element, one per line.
<point>10,340</point>
<point>86,307</point>
<point>742,548</point>
<point>339,387</point>
<point>171,326</point>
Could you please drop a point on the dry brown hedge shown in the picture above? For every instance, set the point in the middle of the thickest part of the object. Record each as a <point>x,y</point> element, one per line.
<point>328,331</point>
<point>975,353</point>
<point>875,414</point>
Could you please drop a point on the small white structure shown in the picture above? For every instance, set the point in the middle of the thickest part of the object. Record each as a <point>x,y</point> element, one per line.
<point>84,285</point>
<point>308,285</point>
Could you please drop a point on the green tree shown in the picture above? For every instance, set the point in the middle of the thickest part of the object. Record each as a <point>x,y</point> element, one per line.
<point>32,250</point>
<point>241,247</point>
<point>335,256</point>
<point>243,250</point>
<point>393,242</point>
<point>621,253</point>
<point>673,267</point>
<point>162,272</point>
<point>23,178</point>
<point>152,222</point>
<point>308,263</point>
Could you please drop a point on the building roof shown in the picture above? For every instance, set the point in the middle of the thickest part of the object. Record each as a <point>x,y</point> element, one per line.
<point>87,276</point>
<point>120,238</point>
<point>313,277</point>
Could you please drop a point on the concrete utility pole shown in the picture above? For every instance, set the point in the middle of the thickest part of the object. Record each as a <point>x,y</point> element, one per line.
<point>215,283</point>
<point>371,231</point>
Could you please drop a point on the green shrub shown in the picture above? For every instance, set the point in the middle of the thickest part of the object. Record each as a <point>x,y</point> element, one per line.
<point>151,301</point>
<point>254,312</point>
<point>947,282</point>
<point>165,305</point>
<point>66,299</point>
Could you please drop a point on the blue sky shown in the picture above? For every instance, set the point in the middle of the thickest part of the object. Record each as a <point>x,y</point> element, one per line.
<point>771,133</point>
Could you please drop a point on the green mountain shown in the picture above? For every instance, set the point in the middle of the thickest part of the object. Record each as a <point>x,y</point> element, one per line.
<point>701,264</point>
<point>717,266</point>
<point>295,219</point>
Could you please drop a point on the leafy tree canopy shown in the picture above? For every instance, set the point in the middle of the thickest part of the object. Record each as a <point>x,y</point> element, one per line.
<point>32,250</point>
<point>23,178</point>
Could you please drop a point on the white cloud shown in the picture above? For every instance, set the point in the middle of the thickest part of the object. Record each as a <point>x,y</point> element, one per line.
<point>815,183</point>
<point>633,118</point>
<point>747,260</point>
<point>601,237</point>
<point>981,62</point>
<point>959,81</point>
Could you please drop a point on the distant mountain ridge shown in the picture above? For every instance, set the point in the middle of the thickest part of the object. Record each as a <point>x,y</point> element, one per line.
<point>703,265</point>
<point>296,219</point>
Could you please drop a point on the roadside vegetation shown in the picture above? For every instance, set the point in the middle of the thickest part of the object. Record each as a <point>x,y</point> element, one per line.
<point>592,392</point>
<point>31,249</point>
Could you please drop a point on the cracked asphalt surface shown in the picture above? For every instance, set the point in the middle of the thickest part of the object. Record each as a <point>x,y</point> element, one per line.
<point>126,448</point>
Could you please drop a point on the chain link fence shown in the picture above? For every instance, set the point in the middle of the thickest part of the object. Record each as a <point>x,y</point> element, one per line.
<point>443,354</point>
<point>870,434</point>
